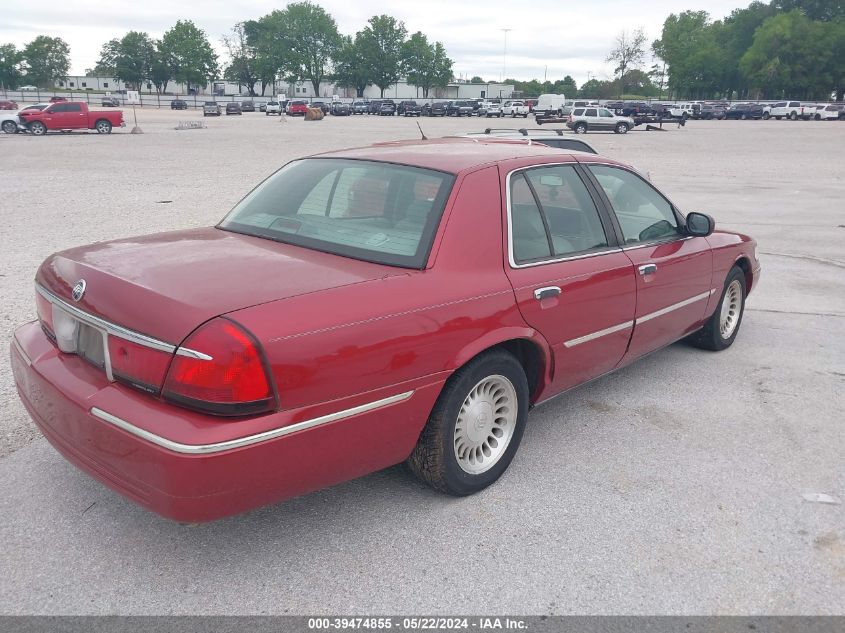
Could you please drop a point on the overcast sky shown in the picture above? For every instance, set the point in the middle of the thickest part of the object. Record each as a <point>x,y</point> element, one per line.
<point>569,37</point>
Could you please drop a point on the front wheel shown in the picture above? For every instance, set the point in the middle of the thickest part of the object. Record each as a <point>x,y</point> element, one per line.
<point>37,128</point>
<point>475,427</point>
<point>621,128</point>
<point>722,327</point>
<point>766,116</point>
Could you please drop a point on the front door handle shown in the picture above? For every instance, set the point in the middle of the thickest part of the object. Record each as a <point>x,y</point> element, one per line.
<point>648,269</point>
<point>546,293</point>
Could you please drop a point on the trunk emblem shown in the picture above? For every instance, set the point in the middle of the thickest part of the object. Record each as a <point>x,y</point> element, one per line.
<point>78,290</point>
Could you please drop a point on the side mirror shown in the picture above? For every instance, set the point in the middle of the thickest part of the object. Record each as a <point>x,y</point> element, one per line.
<point>700,224</point>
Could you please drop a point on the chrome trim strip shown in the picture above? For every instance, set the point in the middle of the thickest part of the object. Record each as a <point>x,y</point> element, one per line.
<point>599,334</point>
<point>21,351</point>
<point>674,306</point>
<point>205,449</point>
<point>117,330</point>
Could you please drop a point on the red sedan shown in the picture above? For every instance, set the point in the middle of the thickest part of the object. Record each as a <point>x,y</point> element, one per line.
<point>8,105</point>
<point>406,301</point>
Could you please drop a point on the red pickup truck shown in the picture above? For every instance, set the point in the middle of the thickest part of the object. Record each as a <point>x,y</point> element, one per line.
<point>71,115</point>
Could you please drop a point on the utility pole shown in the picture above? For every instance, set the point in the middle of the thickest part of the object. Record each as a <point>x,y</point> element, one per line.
<point>505,55</point>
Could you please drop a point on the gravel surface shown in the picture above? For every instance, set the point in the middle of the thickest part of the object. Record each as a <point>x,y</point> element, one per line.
<point>673,486</point>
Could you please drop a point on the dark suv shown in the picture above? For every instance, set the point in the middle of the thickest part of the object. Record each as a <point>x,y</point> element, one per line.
<point>178,104</point>
<point>408,108</point>
<point>374,107</point>
<point>745,111</point>
<point>437,108</point>
<point>459,108</point>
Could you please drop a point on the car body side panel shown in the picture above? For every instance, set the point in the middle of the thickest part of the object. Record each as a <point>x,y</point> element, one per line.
<point>401,327</point>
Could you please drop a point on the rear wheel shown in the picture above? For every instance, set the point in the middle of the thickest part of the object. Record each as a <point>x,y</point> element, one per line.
<point>475,427</point>
<point>580,128</point>
<point>722,327</point>
<point>103,127</point>
<point>744,116</point>
<point>793,116</point>
<point>37,128</point>
<point>766,116</point>
<point>10,127</point>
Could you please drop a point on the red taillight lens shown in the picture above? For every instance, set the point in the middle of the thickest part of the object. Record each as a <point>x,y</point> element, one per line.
<point>141,367</point>
<point>45,314</point>
<point>233,382</point>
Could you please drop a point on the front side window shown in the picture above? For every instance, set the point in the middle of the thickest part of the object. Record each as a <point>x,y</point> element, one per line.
<point>552,214</point>
<point>366,210</point>
<point>644,215</point>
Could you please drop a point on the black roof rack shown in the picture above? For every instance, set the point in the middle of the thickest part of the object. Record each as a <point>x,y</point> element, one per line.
<point>523,131</point>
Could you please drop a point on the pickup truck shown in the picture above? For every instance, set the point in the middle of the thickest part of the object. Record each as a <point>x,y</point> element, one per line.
<point>408,108</point>
<point>515,109</point>
<point>784,109</point>
<point>70,115</point>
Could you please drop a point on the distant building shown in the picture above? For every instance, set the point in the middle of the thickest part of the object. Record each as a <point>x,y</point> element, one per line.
<point>301,90</point>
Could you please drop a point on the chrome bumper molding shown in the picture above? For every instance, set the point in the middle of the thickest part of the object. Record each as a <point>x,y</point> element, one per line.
<point>205,449</point>
<point>675,306</point>
<point>590,337</point>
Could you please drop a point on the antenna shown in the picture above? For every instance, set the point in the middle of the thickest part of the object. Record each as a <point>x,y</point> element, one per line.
<point>424,137</point>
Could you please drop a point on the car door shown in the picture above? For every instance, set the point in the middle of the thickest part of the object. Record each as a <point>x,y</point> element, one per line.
<point>673,270</point>
<point>73,117</point>
<point>606,119</point>
<point>571,280</point>
<point>54,116</point>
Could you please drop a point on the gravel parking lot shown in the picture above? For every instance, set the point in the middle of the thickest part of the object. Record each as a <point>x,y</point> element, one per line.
<point>675,486</point>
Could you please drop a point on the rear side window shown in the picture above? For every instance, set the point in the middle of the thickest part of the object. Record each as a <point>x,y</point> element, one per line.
<point>793,104</point>
<point>644,215</point>
<point>578,112</point>
<point>552,214</point>
<point>592,112</point>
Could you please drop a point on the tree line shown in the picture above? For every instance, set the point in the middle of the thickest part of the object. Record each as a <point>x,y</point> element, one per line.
<point>300,43</point>
<point>789,48</point>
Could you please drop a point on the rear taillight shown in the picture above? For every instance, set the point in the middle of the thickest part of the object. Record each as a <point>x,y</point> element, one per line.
<point>230,379</point>
<point>139,366</point>
<point>45,315</point>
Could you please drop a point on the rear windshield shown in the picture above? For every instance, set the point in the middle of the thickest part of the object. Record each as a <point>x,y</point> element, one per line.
<point>373,211</point>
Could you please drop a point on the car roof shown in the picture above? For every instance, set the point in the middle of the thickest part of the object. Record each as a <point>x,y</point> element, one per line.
<point>461,154</point>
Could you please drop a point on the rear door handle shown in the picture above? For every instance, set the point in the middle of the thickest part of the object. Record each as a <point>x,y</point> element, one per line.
<point>546,293</point>
<point>648,269</point>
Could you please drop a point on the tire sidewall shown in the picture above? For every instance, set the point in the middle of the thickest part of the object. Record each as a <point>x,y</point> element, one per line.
<point>503,364</point>
<point>723,343</point>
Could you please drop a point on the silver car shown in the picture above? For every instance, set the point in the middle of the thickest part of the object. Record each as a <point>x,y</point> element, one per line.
<point>598,119</point>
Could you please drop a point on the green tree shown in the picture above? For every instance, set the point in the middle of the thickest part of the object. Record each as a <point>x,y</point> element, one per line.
<point>160,72</point>
<point>129,59</point>
<point>47,60</point>
<point>733,36</point>
<point>688,46</point>
<point>628,52</point>
<point>791,56</point>
<point>819,10</point>
<point>425,65</point>
<point>593,88</point>
<point>243,66</point>
<point>351,71</point>
<point>477,80</point>
<point>302,41</point>
<point>263,36</point>
<point>188,54</point>
<point>10,66</point>
<point>566,87</point>
<point>381,42</point>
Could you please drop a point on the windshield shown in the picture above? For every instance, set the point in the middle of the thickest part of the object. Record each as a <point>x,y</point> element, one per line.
<point>373,211</point>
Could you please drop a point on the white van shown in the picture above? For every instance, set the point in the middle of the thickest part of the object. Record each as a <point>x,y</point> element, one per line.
<point>549,105</point>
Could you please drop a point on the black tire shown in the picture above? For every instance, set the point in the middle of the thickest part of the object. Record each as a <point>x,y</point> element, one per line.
<point>433,460</point>
<point>744,116</point>
<point>766,116</point>
<point>818,117</point>
<point>10,127</point>
<point>103,126</point>
<point>621,128</point>
<point>710,336</point>
<point>580,128</point>
<point>793,116</point>
<point>37,128</point>
<point>777,118</point>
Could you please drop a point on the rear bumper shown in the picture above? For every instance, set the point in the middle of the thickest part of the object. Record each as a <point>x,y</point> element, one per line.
<point>219,468</point>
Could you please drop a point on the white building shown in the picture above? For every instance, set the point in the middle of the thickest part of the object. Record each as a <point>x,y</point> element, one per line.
<point>301,90</point>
